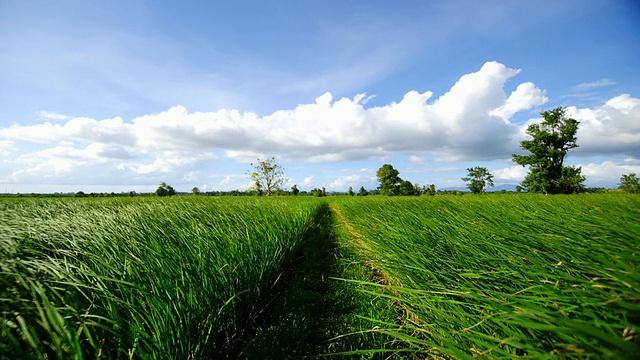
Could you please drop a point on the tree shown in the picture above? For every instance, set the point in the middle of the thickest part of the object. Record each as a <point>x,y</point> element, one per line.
<point>351,193</point>
<point>389,180</point>
<point>165,190</point>
<point>477,179</point>
<point>548,147</point>
<point>195,191</point>
<point>630,183</point>
<point>406,188</point>
<point>429,190</point>
<point>294,190</point>
<point>268,176</point>
<point>363,191</point>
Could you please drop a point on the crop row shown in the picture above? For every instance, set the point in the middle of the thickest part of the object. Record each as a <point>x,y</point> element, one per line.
<point>145,278</point>
<point>505,276</point>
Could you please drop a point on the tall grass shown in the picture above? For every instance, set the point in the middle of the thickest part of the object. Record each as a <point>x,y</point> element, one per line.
<point>507,276</point>
<point>145,278</point>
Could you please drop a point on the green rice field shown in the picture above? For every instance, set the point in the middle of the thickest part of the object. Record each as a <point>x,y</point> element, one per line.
<point>444,277</point>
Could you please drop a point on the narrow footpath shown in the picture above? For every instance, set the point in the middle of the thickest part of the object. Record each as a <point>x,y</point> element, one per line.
<point>312,311</point>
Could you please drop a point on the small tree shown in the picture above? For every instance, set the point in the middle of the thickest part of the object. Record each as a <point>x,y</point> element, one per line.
<point>548,147</point>
<point>478,179</point>
<point>195,191</point>
<point>429,190</point>
<point>268,176</point>
<point>165,190</point>
<point>630,183</point>
<point>389,180</point>
<point>294,190</point>
<point>351,193</point>
<point>363,191</point>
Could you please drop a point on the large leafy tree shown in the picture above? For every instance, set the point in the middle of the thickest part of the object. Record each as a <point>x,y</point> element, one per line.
<point>630,183</point>
<point>389,179</point>
<point>477,179</point>
<point>268,176</point>
<point>549,144</point>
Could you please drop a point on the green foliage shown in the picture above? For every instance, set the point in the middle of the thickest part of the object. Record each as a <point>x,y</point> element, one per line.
<point>389,180</point>
<point>195,191</point>
<point>363,191</point>
<point>551,140</point>
<point>478,179</point>
<point>350,192</point>
<point>406,188</point>
<point>139,277</point>
<point>268,176</point>
<point>429,190</point>
<point>630,183</point>
<point>294,190</point>
<point>165,190</point>
<point>319,192</point>
<point>505,276</point>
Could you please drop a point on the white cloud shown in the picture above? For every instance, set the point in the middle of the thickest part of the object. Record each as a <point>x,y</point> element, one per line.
<point>609,172</point>
<point>343,183</point>
<point>458,124</point>
<point>63,160</point>
<point>470,121</point>
<point>6,147</point>
<point>611,128</point>
<point>513,173</point>
<point>524,97</point>
<point>49,115</point>
<point>308,181</point>
<point>114,131</point>
<point>171,160</point>
<point>591,85</point>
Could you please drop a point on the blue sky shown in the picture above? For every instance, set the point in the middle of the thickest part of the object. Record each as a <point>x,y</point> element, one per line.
<point>121,95</point>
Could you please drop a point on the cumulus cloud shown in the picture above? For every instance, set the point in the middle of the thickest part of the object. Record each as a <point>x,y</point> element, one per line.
<point>470,121</point>
<point>524,97</point>
<point>608,172</point>
<point>611,128</point>
<point>513,173</point>
<point>114,131</point>
<point>458,123</point>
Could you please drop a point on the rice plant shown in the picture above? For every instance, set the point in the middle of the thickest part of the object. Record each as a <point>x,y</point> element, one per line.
<point>140,278</point>
<point>506,276</point>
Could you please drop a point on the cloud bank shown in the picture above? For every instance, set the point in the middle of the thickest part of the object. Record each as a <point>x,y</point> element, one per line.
<point>473,120</point>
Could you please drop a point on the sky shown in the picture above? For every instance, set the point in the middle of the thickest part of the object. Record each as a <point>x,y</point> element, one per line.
<point>102,96</point>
